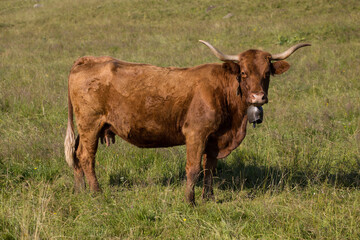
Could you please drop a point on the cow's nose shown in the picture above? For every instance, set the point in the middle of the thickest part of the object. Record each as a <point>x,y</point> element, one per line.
<point>258,98</point>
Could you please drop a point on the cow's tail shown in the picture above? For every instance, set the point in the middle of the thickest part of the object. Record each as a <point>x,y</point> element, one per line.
<point>69,143</point>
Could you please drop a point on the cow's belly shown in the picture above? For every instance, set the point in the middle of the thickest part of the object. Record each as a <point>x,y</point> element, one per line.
<point>147,119</point>
<point>146,129</point>
<point>146,138</point>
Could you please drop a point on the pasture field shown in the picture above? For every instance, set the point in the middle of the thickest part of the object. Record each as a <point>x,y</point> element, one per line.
<point>296,176</point>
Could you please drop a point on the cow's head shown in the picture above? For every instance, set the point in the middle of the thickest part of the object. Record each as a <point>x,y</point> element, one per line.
<point>255,68</point>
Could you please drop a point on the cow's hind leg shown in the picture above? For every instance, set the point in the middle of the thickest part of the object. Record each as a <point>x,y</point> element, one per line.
<point>79,179</point>
<point>78,171</point>
<point>86,155</point>
<point>209,167</point>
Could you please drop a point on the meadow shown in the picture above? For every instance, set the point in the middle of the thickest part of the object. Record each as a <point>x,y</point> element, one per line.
<point>295,176</point>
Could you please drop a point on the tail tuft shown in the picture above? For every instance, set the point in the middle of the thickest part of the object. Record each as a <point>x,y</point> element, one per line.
<point>69,145</point>
<point>70,142</point>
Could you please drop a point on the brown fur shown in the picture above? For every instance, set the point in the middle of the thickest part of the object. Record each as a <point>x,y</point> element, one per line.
<point>151,106</point>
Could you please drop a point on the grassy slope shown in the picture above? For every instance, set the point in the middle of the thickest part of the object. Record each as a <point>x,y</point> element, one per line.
<point>295,176</point>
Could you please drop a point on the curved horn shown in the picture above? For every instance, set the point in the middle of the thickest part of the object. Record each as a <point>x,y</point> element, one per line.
<point>220,55</point>
<point>287,53</point>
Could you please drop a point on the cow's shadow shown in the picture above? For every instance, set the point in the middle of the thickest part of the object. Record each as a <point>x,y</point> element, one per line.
<point>236,174</point>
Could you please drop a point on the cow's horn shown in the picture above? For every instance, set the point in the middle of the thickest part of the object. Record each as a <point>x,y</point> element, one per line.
<point>220,55</point>
<point>287,53</point>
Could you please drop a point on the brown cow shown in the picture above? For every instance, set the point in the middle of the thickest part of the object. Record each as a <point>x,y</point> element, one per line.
<point>203,107</point>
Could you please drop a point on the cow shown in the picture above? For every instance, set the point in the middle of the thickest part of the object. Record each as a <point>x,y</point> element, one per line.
<point>203,107</point>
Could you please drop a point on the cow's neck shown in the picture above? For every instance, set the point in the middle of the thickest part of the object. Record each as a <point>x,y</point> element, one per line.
<point>236,99</point>
<point>238,107</point>
<point>236,128</point>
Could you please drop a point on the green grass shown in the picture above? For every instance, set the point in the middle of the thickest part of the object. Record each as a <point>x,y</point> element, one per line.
<point>296,176</point>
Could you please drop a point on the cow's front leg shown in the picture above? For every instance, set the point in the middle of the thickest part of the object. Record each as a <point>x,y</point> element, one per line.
<point>201,121</point>
<point>194,152</point>
<point>209,166</point>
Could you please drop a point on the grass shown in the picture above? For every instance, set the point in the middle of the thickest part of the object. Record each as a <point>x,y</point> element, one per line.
<point>296,176</point>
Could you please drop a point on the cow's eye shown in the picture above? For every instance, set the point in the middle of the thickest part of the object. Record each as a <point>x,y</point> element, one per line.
<point>243,74</point>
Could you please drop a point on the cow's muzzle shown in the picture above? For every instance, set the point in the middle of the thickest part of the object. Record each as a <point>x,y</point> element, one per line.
<point>258,99</point>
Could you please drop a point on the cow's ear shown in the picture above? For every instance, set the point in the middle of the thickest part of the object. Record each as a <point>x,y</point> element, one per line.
<point>231,67</point>
<point>279,67</point>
